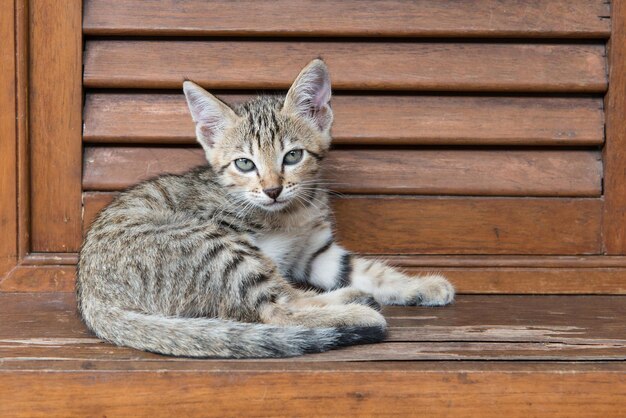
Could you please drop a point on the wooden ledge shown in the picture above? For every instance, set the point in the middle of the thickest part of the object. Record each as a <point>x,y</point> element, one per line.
<point>529,355</point>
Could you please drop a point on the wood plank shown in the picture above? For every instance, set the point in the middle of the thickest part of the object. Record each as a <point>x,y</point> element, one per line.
<point>466,393</point>
<point>469,225</point>
<point>542,327</point>
<point>55,125</point>
<point>23,120</point>
<point>521,275</point>
<point>455,225</point>
<point>388,351</point>
<point>614,229</point>
<point>42,278</point>
<point>8,142</point>
<point>528,280</point>
<point>161,363</point>
<point>354,65</point>
<point>509,18</point>
<point>448,172</point>
<point>379,120</point>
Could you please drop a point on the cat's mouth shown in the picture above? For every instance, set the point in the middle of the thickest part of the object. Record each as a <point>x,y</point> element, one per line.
<point>275,205</point>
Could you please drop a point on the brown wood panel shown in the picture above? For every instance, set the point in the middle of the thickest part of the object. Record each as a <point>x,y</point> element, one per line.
<point>508,18</point>
<point>469,225</point>
<point>377,225</point>
<point>41,275</point>
<point>55,125</point>
<point>354,65</point>
<point>380,120</point>
<point>23,151</point>
<point>449,172</point>
<point>33,322</point>
<point>615,149</point>
<point>40,278</point>
<point>524,173</point>
<point>8,140</point>
<point>47,356</point>
<point>527,280</point>
<point>467,393</point>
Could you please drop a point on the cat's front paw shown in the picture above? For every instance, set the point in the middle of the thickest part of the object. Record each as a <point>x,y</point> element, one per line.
<point>434,290</point>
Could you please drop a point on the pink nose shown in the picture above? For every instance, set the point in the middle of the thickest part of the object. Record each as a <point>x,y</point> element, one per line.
<point>274,192</point>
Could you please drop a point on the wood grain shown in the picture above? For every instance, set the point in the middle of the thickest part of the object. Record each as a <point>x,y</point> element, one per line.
<point>469,225</point>
<point>503,275</point>
<point>379,120</point>
<point>23,151</point>
<point>377,225</point>
<point>526,280</point>
<point>450,172</point>
<point>55,125</point>
<point>509,18</point>
<point>565,324</point>
<point>310,394</point>
<point>47,356</point>
<point>483,67</point>
<point>615,149</point>
<point>8,142</point>
<point>41,278</point>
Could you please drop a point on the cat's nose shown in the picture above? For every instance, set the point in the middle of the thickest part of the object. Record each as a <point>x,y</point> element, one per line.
<point>274,192</point>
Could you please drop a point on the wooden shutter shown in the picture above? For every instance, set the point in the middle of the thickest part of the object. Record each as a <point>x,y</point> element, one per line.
<point>461,145</point>
<point>469,136</point>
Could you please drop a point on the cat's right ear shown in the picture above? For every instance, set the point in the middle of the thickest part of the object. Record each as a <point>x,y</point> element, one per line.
<point>211,115</point>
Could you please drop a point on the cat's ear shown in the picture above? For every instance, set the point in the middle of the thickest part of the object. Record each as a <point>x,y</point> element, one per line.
<point>211,115</point>
<point>309,95</point>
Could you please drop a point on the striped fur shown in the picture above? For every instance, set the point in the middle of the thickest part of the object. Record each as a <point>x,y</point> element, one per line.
<point>204,264</point>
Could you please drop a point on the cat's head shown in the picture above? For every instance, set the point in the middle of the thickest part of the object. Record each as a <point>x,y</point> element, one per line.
<point>267,151</point>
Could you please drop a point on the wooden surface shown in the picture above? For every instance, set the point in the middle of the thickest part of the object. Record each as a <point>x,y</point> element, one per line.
<point>473,328</point>
<point>40,278</point>
<point>561,275</point>
<point>436,172</point>
<point>573,350</point>
<point>461,391</point>
<point>8,140</point>
<point>55,125</point>
<point>380,120</point>
<point>615,148</point>
<point>509,18</point>
<point>23,125</point>
<point>545,67</point>
<point>527,280</point>
<point>469,225</point>
<point>440,225</point>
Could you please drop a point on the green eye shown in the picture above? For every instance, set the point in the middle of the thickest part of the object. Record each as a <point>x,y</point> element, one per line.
<point>293,157</point>
<point>244,164</point>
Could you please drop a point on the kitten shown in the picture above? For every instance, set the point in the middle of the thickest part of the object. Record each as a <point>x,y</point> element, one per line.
<point>204,264</point>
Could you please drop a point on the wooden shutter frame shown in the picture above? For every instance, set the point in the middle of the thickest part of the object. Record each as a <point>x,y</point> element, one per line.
<point>23,269</point>
<point>20,264</point>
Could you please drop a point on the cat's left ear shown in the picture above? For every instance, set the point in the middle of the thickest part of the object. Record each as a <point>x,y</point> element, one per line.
<point>309,95</point>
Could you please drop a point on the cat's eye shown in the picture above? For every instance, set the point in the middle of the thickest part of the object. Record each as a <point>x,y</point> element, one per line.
<point>244,164</point>
<point>293,157</point>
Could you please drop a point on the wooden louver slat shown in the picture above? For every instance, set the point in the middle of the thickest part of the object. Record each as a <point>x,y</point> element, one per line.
<point>514,173</point>
<point>447,225</point>
<point>494,67</point>
<point>395,18</point>
<point>380,120</point>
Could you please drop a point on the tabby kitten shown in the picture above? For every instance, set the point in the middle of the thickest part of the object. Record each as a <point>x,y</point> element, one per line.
<point>204,264</point>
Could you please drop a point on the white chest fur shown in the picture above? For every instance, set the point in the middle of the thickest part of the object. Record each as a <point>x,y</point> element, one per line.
<point>292,250</point>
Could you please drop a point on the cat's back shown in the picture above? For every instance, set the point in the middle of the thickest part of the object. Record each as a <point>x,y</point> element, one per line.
<point>170,193</point>
<point>173,200</point>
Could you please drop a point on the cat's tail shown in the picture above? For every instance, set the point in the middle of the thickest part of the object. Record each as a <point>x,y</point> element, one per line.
<point>205,337</point>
